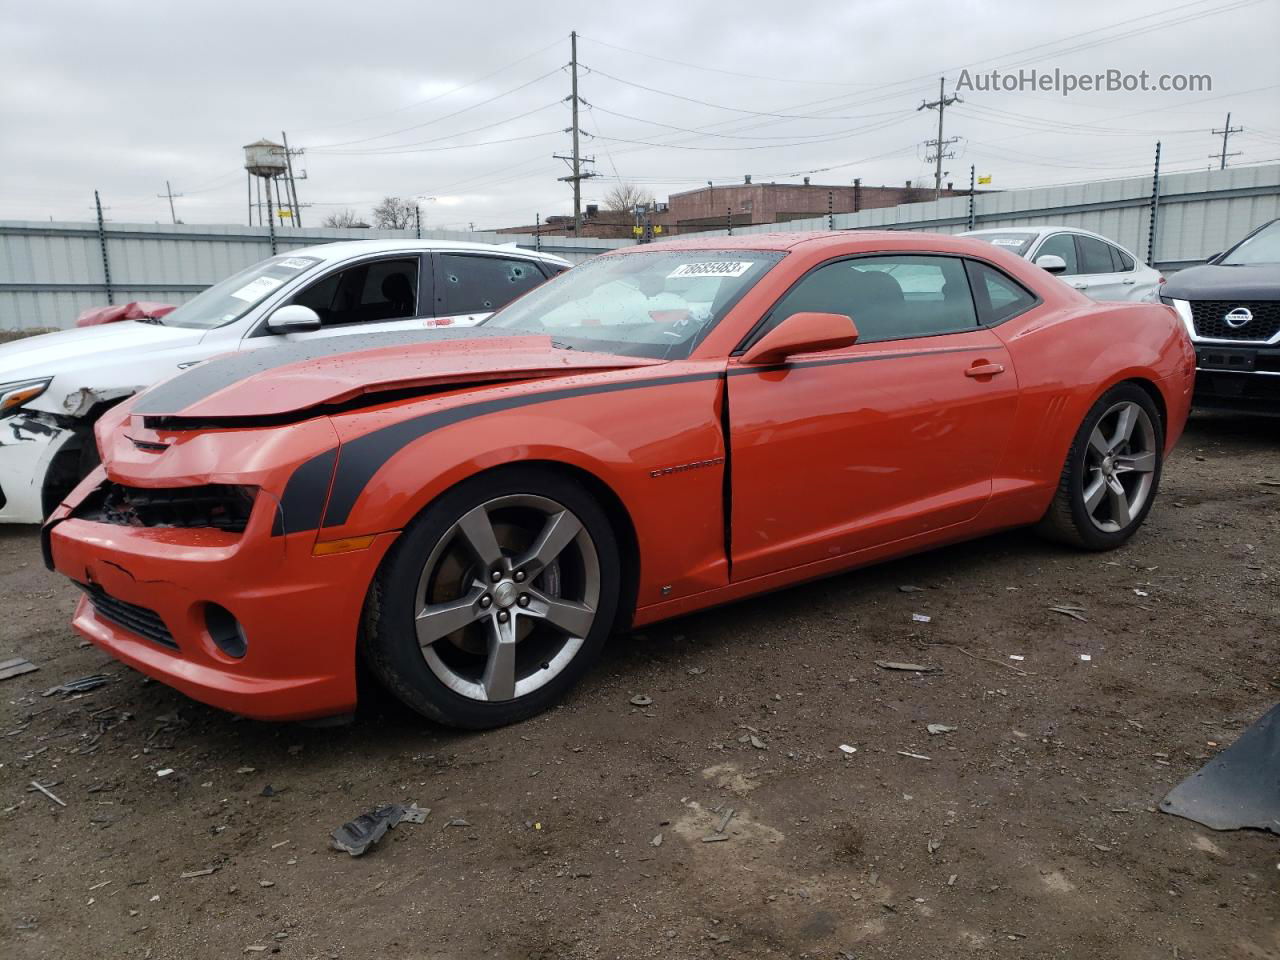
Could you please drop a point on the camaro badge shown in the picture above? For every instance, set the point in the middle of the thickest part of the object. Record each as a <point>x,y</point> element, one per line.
<point>664,471</point>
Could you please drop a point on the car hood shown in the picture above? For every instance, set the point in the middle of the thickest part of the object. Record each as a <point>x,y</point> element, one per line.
<point>50,354</point>
<point>1215,282</point>
<point>301,379</point>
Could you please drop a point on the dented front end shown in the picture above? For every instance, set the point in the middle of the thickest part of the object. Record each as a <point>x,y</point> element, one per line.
<point>36,448</point>
<point>181,545</point>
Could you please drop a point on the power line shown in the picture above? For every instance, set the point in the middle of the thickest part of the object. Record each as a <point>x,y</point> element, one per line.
<point>456,146</point>
<point>395,147</point>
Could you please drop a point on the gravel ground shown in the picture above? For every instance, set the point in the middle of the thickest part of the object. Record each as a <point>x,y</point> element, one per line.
<point>723,820</point>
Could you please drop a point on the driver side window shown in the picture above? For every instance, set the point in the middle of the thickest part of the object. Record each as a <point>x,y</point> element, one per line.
<point>371,292</point>
<point>1061,245</point>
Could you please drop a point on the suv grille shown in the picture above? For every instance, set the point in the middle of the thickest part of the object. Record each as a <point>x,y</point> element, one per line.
<point>1209,317</point>
<point>145,623</point>
<point>218,506</point>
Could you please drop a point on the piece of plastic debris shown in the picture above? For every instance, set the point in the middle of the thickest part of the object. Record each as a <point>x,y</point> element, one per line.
<point>715,838</point>
<point>268,791</point>
<point>640,700</point>
<point>913,756</point>
<point>921,618</point>
<point>1237,789</point>
<point>458,822</point>
<point>1016,656</point>
<point>245,770</point>
<point>48,793</point>
<point>416,814</point>
<point>758,743</point>
<point>845,748</point>
<point>165,772</point>
<point>908,588</point>
<point>358,835</point>
<point>190,874</point>
<point>910,667</point>
<point>935,729</point>
<point>1085,657</point>
<point>656,841</point>
<point>1075,613</point>
<point>266,883</point>
<point>15,667</point>
<point>1141,593</point>
<point>80,684</point>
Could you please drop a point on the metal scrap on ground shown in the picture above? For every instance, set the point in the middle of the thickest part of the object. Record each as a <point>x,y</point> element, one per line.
<point>15,667</point>
<point>909,667</point>
<point>358,835</point>
<point>1075,613</point>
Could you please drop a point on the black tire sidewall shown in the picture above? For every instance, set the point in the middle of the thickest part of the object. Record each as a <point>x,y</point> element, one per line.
<point>390,642</point>
<point>1093,537</point>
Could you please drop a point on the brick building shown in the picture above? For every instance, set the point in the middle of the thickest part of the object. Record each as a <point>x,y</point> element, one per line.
<point>743,204</point>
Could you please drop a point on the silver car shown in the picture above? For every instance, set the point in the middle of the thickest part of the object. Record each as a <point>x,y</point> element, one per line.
<point>1094,265</point>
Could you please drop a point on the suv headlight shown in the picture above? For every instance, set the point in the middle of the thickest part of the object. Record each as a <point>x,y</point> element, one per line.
<point>13,395</point>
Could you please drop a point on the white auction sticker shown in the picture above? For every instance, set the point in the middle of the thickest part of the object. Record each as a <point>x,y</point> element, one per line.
<point>295,263</point>
<point>712,268</point>
<point>1007,242</point>
<point>257,289</point>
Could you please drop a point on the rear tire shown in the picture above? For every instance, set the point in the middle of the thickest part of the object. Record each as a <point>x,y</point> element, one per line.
<point>495,599</point>
<point>1112,472</point>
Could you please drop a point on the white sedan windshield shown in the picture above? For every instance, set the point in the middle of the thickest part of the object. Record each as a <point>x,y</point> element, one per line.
<point>235,296</point>
<point>650,304</point>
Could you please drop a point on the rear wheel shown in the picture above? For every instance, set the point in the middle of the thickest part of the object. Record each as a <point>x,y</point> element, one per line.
<point>495,600</point>
<point>1112,472</point>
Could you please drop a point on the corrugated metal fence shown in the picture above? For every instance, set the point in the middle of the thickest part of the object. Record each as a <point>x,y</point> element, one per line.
<point>49,272</point>
<point>1199,214</point>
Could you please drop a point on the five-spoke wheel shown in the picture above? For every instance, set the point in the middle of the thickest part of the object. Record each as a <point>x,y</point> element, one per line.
<point>1112,471</point>
<point>508,585</point>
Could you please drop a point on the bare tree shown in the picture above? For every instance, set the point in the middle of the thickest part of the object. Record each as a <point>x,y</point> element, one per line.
<point>625,197</point>
<point>343,218</point>
<point>394,213</point>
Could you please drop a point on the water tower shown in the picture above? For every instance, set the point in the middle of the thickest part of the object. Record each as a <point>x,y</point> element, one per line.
<point>269,162</point>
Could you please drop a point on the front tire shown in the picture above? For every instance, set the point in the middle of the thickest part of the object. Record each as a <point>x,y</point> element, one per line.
<point>1112,472</point>
<point>495,600</point>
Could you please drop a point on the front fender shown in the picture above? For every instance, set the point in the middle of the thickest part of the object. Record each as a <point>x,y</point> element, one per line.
<point>626,436</point>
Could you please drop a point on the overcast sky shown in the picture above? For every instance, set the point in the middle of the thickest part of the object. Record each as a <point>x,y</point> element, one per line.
<point>464,103</point>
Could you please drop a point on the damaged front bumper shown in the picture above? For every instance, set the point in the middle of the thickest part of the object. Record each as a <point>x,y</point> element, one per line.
<point>29,442</point>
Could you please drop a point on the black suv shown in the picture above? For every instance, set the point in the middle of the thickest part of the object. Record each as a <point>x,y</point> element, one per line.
<point>1231,308</point>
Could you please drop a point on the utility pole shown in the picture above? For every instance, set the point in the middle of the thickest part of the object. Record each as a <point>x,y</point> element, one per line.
<point>577,160</point>
<point>972,184</point>
<point>1226,131</point>
<point>168,192</point>
<point>1153,217</point>
<point>940,145</point>
<point>102,245</point>
<point>293,186</point>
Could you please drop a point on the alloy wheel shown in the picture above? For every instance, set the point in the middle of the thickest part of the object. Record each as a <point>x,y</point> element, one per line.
<point>1119,466</point>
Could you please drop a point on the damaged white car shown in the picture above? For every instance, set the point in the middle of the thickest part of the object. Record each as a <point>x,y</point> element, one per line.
<point>53,387</point>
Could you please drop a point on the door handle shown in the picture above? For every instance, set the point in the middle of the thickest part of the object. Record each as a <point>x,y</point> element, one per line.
<point>1081,286</point>
<point>981,369</point>
<point>1129,282</point>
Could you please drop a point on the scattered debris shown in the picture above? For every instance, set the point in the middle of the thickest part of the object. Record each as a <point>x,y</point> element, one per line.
<point>416,814</point>
<point>921,618</point>
<point>245,770</point>
<point>656,841</point>
<point>640,700</point>
<point>358,835</point>
<point>845,748</point>
<point>697,671</point>
<point>998,663</point>
<point>715,838</point>
<point>1141,593</point>
<point>45,790</point>
<point>15,667</point>
<point>913,756</point>
<point>936,729</point>
<point>266,883</point>
<point>458,822</point>
<point>1237,788</point>
<point>1017,656</point>
<point>909,588</point>
<point>80,684</point>
<point>1086,657</point>
<point>198,873</point>
<point>268,791</point>
<point>758,743</point>
<point>909,667</point>
<point>165,772</point>
<point>1075,613</point>
<point>724,822</point>
<point>1269,483</point>
<point>933,846</point>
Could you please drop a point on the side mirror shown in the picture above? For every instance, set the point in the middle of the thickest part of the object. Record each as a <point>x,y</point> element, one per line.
<point>293,318</point>
<point>1052,263</point>
<point>803,333</point>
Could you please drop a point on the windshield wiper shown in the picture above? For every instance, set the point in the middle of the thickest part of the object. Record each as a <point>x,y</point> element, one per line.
<point>156,320</point>
<point>561,345</point>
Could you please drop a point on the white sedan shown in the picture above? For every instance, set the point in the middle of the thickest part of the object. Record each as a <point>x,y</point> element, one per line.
<point>53,387</point>
<point>1094,265</point>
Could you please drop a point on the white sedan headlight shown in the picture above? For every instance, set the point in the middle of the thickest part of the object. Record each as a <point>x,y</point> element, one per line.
<point>13,395</point>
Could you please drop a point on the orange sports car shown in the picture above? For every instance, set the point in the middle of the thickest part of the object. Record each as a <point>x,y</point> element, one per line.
<point>656,431</point>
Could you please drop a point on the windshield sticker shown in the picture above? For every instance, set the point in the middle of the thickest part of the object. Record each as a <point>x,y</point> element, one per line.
<point>257,289</point>
<point>1007,242</point>
<point>712,268</point>
<point>295,263</point>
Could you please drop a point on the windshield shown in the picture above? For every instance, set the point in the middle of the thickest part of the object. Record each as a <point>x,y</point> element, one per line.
<point>235,296</point>
<point>1262,247</point>
<point>1014,241</point>
<point>652,304</point>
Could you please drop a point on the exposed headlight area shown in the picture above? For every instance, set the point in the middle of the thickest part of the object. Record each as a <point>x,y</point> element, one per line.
<point>14,395</point>
<point>213,506</point>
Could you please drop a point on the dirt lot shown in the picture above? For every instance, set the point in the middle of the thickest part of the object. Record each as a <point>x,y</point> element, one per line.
<point>1030,830</point>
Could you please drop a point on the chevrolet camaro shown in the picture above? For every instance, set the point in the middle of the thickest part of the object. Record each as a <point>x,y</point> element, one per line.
<point>473,513</point>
